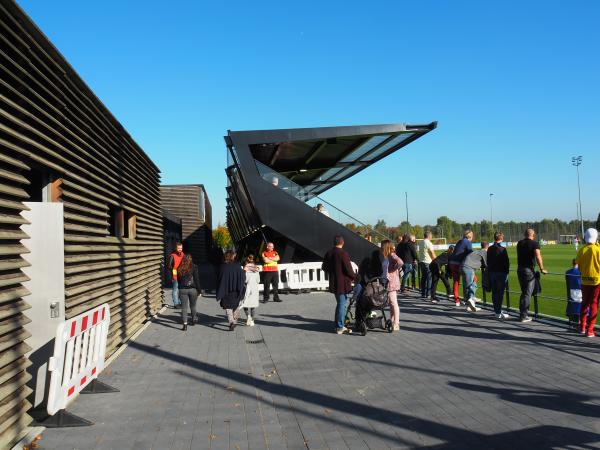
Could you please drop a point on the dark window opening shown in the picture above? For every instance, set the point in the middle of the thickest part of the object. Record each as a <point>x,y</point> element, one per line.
<point>122,223</point>
<point>43,187</point>
<point>38,184</point>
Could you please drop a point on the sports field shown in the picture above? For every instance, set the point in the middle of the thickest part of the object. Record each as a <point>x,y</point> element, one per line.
<point>552,300</point>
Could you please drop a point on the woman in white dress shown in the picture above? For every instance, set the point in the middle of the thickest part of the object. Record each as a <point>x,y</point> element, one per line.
<point>250,302</point>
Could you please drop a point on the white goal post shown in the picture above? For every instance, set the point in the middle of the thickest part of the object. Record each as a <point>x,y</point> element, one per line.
<point>566,238</point>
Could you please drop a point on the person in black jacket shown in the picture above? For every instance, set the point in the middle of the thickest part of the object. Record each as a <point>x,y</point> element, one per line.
<point>231,287</point>
<point>439,271</point>
<point>407,252</point>
<point>498,265</point>
<point>189,289</point>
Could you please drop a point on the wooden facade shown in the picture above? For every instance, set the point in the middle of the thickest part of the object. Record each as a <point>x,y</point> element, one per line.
<point>191,204</point>
<point>58,142</point>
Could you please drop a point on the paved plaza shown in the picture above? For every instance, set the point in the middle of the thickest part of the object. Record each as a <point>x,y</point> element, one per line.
<point>448,379</point>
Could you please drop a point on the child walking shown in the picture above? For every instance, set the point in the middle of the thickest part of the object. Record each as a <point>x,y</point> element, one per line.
<point>250,302</point>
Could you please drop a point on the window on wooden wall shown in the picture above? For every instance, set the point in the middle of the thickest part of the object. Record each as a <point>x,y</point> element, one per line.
<point>123,223</point>
<point>44,186</point>
<point>117,222</point>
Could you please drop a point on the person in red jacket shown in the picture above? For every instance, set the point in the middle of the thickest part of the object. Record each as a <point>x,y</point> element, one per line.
<point>270,272</point>
<point>338,267</point>
<point>175,259</point>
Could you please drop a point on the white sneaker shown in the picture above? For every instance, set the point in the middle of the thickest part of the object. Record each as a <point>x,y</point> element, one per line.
<point>249,321</point>
<point>343,330</point>
<point>502,316</point>
<point>471,305</point>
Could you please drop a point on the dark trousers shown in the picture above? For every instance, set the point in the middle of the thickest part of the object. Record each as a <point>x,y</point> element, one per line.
<point>425,279</point>
<point>188,297</point>
<point>527,282</point>
<point>436,276</point>
<point>498,281</point>
<point>270,278</point>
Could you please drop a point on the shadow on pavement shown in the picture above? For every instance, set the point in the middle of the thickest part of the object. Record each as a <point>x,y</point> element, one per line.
<point>567,402</point>
<point>454,437</point>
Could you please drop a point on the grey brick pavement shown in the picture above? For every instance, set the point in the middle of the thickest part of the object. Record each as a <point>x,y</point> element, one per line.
<point>448,379</point>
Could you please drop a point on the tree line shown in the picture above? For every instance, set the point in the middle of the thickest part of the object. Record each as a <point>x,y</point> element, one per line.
<point>445,227</point>
<point>547,229</point>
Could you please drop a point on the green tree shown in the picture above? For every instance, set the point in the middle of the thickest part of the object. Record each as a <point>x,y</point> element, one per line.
<point>221,237</point>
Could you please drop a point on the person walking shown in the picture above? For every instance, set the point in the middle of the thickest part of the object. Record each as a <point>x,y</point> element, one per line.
<point>498,266</point>
<point>250,302</point>
<point>528,253</point>
<point>439,271</point>
<point>390,268</point>
<point>338,267</point>
<point>231,288</point>
<point>426,255</point>
<point>588,259</point>
<point>462,248</point>
<point>407,252</point>
<point>189,289</point>
<point>270,273</point>
<point>472,262</point>
<point>173,264</point>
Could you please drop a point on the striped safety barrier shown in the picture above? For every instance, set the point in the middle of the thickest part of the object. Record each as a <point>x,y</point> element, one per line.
<point>79,353</point>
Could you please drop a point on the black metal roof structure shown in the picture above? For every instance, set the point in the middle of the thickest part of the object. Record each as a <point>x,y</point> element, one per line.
<point>274,174</point>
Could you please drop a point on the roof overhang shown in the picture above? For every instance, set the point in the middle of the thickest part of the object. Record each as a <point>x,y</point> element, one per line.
<point>317,159</point>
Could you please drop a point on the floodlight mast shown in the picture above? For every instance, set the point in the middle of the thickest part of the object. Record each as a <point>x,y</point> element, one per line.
<point>491,213</point>
<point>576,161</point>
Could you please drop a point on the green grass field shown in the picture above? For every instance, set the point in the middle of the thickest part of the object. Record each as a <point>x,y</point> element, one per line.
<point>552,301</point>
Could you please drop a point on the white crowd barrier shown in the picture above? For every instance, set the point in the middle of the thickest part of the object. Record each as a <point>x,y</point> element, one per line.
<point>308,275</point>
<point>79,353</point>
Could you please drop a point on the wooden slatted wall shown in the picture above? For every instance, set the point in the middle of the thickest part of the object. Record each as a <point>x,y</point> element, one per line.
<point>51,121</point>
<point>190,203</point>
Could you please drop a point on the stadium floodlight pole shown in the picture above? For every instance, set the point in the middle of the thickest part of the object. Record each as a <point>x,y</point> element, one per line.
<point>576,161</point>
<point>407,223</point>
<point>491,212</point>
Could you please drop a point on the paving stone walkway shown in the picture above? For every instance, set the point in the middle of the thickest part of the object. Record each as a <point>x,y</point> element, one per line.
<point>448,379</point>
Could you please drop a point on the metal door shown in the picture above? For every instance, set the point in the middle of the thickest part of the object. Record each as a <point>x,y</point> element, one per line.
<point>46,284</point>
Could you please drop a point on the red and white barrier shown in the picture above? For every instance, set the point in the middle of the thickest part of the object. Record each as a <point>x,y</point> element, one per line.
<point>79,352</point>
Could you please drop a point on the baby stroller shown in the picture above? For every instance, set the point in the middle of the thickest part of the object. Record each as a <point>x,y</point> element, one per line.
<point>374,296</point>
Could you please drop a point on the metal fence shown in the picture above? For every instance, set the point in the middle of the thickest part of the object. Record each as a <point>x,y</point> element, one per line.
<point>550,303</point>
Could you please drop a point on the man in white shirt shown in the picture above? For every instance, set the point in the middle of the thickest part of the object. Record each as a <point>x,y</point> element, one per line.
<point>426,255</point>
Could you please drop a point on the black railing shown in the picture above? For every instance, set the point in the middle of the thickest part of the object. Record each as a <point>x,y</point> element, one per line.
<point>537,299</point>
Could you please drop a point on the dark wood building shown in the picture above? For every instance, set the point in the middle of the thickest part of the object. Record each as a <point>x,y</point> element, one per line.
<point>60,145</point>
<point>191,204</point>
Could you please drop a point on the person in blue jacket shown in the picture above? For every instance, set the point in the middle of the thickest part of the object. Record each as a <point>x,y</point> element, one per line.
<point>573,279</point>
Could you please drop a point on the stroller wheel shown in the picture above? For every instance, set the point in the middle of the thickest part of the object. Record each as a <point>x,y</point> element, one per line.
<point>388,326</point>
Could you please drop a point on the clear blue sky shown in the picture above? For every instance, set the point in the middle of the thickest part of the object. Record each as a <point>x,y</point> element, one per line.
<point>514,85</point>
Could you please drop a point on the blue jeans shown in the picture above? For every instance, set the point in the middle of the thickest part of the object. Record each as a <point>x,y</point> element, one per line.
<point>340,310</point>
<point>175,292</point>
<point>469,284</point>
<point>498,280</point>
<point>407,269</point>
<point>425,279</point>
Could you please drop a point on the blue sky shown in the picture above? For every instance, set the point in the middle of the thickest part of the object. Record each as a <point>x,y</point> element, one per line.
<point>514,86</point>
